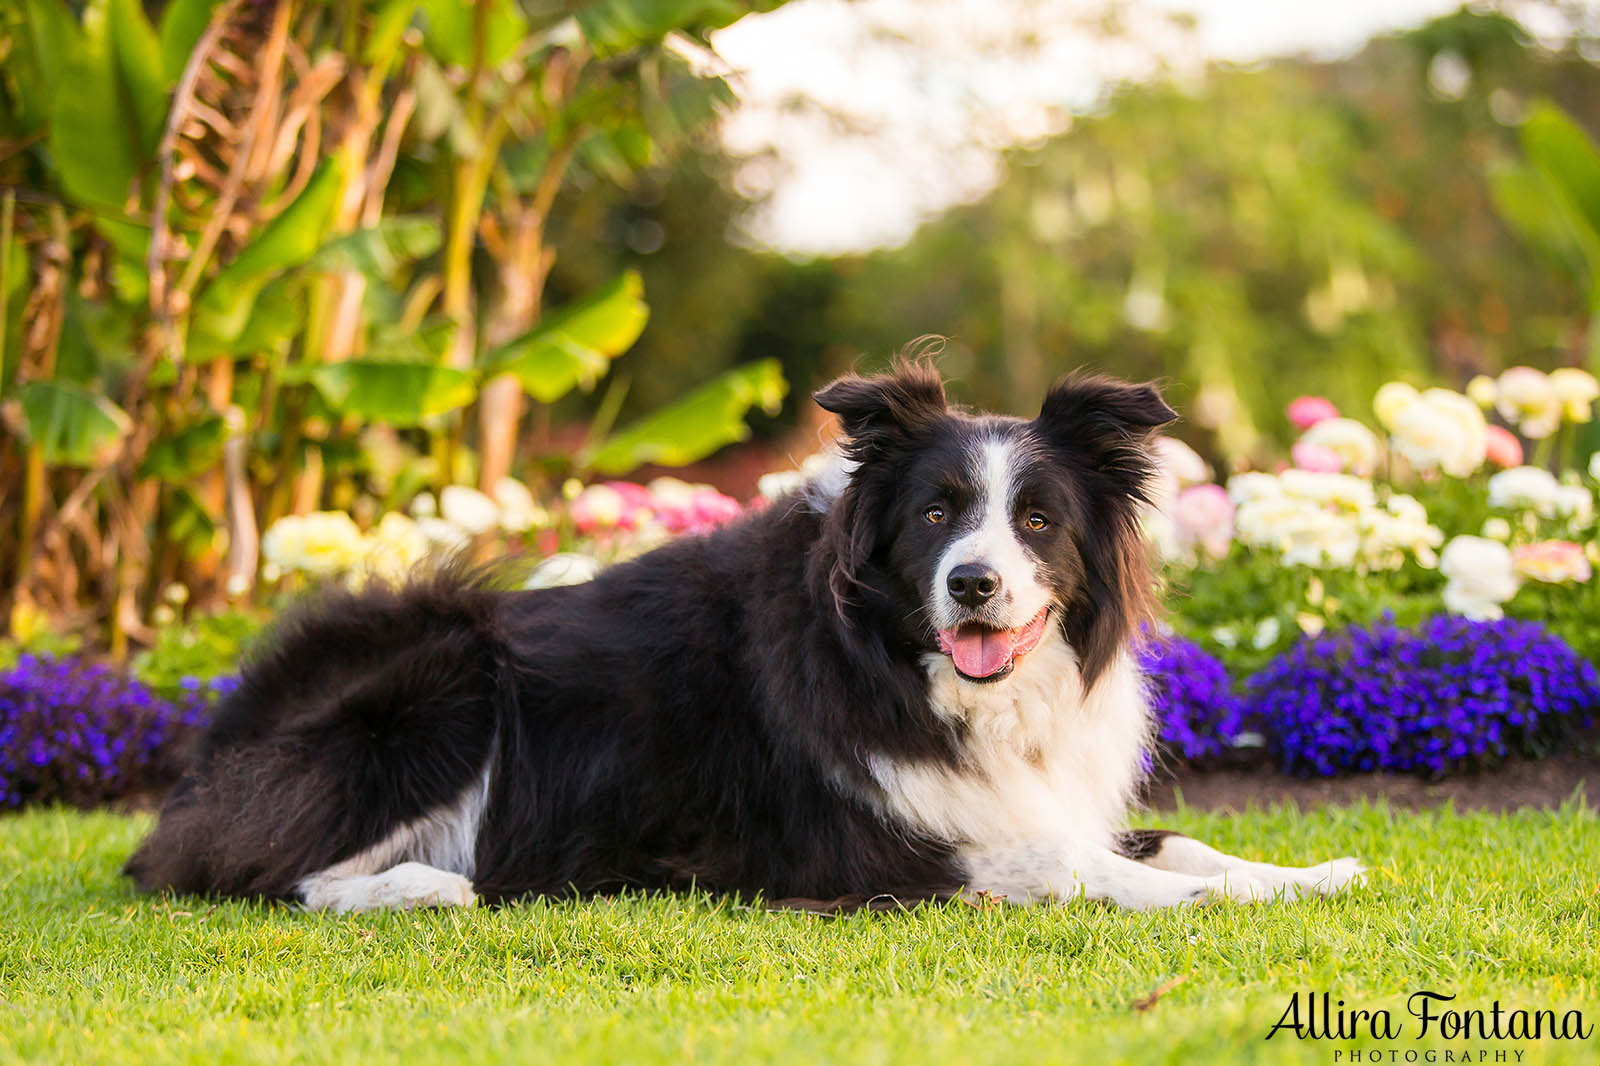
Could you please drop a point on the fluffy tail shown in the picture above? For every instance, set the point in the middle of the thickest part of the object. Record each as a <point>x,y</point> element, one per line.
<point>363,712</point>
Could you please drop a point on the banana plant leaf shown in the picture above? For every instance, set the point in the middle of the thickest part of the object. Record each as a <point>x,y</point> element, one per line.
<point>70,425</point>
<point>696,426</point>
<point>575,346</point>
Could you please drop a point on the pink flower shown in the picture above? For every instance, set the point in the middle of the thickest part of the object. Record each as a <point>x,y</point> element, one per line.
<point>1203,515</point>
<point>598,507</point>
<point>1504,449</point>
<point>1307,411</point>
<point>1316,458</point>
<point>1552,561</point>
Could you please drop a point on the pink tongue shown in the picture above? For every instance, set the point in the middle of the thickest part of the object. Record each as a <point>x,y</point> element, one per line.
<point>980,652</point>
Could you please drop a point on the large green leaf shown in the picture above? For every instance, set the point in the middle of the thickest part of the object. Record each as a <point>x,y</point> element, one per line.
<point>1558,146</point>
<point>396,393</point>
<point>1528,201</point>
<point>613,26</point>
<point>71,425</point>
<point>575,346</point>
<point>289,240</point>
<point>140,71</point>
<point>183,23</point>
<point>95,139</point>
<point>46,37</point>
<point>451,28</point>
<point>695,426</point>
<point>379,251</point>
<point>187,453</point>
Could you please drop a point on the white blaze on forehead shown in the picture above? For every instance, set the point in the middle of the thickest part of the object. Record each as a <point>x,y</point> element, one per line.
<point>994,542</point>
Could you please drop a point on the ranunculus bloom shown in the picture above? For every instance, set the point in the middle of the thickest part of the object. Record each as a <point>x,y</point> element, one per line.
<point>1480,577</point>
<point>1502,447</point>
<point>1307,411</point>
<point>1315,457</point>
<point>468,508</point>
<point>1483,391</point>
<point>1180,461</point>
<point>1354,444</point>
<point>1577,390</point>
<point>1441,430</point>
<point>320,544</point>
<point>1551,561</point>
<point>1526,399</point>
<point>1392,399</point>
<point>598,507</point>
<point>1204,518</point>
<point>1525,488</point>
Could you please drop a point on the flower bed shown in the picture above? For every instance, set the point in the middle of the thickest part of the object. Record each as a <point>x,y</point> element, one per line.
<point>81,733</point>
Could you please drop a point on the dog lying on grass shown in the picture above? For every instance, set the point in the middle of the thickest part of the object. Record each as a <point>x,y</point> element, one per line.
<point>912,678</point>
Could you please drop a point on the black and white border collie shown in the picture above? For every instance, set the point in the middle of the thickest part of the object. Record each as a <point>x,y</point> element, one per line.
<point>912,679</point>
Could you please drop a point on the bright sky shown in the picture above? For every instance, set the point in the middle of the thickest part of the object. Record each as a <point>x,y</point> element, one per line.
<point>862,118</point>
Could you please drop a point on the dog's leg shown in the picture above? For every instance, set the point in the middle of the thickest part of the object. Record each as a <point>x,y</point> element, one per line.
<point>1163,849</point>
<point>1031,872</point>
<point>410,884</point>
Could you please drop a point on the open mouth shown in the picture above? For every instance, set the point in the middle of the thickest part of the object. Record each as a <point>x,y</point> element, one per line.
<point>983,653</point>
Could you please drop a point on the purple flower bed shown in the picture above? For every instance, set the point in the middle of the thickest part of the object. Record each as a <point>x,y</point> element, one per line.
<point>1447,695</point>
<point>83,734</point>
<point>1197,714</point>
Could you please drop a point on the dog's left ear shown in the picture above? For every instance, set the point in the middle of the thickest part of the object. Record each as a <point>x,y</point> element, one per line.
<point>884,408</point>
<point>1099,410</point>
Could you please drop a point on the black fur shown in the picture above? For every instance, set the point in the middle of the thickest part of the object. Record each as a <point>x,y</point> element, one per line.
<point>700,715</point>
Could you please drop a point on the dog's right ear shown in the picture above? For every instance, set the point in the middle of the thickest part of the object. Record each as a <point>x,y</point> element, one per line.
<point>885,407</point>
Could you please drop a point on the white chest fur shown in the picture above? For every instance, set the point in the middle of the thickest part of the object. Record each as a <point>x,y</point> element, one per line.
<point>1044,761</point>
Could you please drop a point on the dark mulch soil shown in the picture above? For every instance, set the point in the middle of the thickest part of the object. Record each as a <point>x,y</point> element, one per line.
<point>1545,783</point>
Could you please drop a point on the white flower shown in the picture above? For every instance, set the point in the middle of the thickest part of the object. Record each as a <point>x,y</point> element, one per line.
<point>1355,445</point>
<point>1497,529</point>
<point>1254,486</point>
<point>1479,575</point>
<point>320,544</point>
<point>396,546</point>
<point>1577,391</point>
<point>519,511</point>
<point>1526,399</point>
<point>1266,634</point>
<point>563,568</point>
<point>1441,430</point>
<point>444,537</point>
<point>1391,401</point>
<point>1594,466</point>
<point>469,509</point>
<point>1524,487</point>
<point>1575,503</point>
<point>1343,489</point>
<point>424,506</point>
<point>1182,461</point>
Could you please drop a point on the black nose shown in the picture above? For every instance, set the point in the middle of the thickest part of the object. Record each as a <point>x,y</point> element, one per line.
<point>972,584</point>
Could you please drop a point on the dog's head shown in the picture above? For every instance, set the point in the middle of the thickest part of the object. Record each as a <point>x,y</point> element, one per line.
<point>978,532</point>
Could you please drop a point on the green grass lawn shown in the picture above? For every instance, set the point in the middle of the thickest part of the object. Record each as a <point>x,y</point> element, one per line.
<point>1484,906</point>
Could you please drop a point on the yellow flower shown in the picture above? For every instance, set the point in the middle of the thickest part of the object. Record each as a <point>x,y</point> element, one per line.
<point>1391,402</point>
<point>1577,391</point>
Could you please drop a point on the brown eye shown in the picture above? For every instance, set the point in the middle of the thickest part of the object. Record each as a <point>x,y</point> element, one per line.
<point>1037,521</point>
<point>934,515</point>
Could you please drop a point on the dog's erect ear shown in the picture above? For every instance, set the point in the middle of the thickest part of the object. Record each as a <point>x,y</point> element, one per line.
<point>1097,408</point>
<point>888,405</point>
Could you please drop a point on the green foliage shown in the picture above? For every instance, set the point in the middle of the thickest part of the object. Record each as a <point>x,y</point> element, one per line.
<point>71,425</point>
<point>399,394</point>
<point>575,346</point>
<point>696,426</point>
<point>209,646</point>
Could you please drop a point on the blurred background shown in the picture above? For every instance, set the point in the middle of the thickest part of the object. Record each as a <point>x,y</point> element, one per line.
<point>286,257</point>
